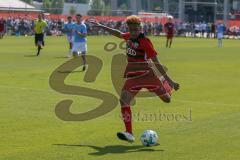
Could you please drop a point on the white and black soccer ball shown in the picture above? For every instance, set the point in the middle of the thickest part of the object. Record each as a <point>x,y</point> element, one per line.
<point>149,138</point>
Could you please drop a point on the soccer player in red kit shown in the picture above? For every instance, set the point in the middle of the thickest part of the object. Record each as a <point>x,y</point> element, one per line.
<point>139,71</point>
<point>169,29</point>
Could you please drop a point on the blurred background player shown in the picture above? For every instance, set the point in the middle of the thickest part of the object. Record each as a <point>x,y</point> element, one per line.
<point>139,72</point>
<point>169,29</point>
<point>213,30</point>
<point>2,28</point>
<point>68,29</point>
<point>80,41</point>
<point>39,28</point>
<point>220,32</point>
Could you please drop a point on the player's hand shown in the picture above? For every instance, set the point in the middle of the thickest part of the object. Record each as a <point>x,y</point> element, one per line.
<point>95,24</point>
<point>175,85</point>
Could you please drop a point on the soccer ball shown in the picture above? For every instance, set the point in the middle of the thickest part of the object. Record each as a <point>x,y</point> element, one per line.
<point>149,138</point>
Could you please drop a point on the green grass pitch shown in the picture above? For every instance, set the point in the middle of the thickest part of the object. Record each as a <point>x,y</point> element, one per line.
<point>210,89</point>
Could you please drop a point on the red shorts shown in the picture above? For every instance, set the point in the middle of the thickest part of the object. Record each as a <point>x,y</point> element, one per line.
<point>149,81</point>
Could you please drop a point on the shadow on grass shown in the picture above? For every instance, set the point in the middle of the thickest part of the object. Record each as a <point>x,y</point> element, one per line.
<point>114,149</point>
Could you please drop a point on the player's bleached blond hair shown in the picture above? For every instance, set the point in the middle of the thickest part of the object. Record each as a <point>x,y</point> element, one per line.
<point>133,20</point>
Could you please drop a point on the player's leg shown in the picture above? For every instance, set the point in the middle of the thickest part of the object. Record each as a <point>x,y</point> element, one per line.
<point>129,91</point>
<point>36,39</point>
<point>219,37</point>
<point>70,41</point>
<point>43,40</point>
<point>38,50</point>
<point>70,49</point>
<point>220,42</point>
<point>40,43</point>
<point>83,49</point>
<point>75,49</point>
<point>167,42</point>
<point>170,44</point>
<point>1,34</point>
<point>69,54</point>
<point>163,93</point>
<point>125,100</point>
<point>160,87</point>
<point>84,60</point>
<point>165,97</point>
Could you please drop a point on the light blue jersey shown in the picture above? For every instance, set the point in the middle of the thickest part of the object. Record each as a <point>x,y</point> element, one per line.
<point>82,29</point>
<point>68,28</point>
<point>220,28</point>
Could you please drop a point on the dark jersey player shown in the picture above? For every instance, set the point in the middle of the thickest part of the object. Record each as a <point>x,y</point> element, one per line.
<point>2,28</point>
<point>169,29</point>
<point>139,72</point>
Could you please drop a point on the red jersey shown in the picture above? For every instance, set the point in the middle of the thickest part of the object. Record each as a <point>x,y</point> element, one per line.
<point>169,28</point>
<point>138,51</point>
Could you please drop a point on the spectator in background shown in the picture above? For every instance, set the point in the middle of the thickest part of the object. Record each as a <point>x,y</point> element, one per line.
<point>203,29</point>
<point>24,26</point>
<point>208,30</point>
<point>213,30</point>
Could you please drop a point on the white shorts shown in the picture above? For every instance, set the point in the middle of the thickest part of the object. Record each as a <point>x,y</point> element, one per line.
<point>220,35</point>
<point>79,47</point>
<point>70,39</point>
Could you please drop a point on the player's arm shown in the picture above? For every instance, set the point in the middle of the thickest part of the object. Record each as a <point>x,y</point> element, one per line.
<point>161,69</point>
<point>112,31</point>
<point>152,55</point>
<point>82,34</point>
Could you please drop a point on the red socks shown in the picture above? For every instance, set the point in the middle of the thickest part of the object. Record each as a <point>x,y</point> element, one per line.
<point>127,118</point>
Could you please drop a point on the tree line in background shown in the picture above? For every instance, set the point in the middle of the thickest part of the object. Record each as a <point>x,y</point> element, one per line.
<point>98,7</point>
<point>103,7</point>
